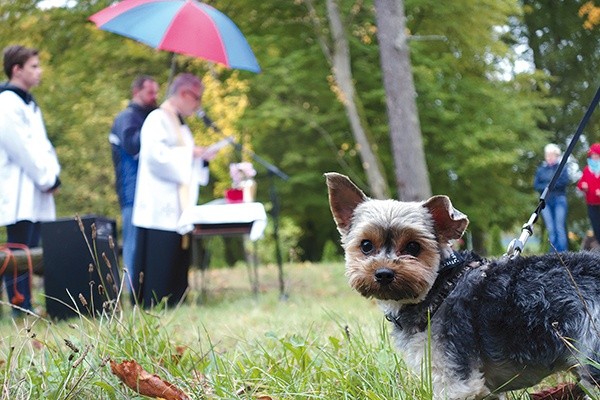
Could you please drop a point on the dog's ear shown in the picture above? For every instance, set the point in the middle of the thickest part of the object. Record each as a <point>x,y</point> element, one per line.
<point>449,222</point>
<point>344,196</point>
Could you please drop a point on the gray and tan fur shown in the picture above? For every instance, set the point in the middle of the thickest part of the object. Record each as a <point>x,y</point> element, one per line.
<point>496,325</point>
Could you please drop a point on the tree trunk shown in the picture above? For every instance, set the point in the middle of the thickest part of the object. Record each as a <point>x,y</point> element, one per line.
<point>412,179</point>
<point>339,58</point>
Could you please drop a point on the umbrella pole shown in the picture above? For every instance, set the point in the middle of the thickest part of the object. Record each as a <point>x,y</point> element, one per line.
<point>173,68</point>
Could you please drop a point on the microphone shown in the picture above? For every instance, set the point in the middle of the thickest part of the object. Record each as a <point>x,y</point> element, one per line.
<point>205,118</point>
<point>210,124</point>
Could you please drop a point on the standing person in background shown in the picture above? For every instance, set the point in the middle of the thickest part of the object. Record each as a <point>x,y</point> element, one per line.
<point>171,171</point>
<point>590,185</point>
<point>555,211</point>
<point>29,168</point>
<point>125,143</point>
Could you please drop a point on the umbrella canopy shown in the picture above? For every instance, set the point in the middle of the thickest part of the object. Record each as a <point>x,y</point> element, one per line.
<point>180,26</point>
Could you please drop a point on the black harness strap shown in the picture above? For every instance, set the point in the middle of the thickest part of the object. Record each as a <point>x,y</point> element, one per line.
<point>417,316</point>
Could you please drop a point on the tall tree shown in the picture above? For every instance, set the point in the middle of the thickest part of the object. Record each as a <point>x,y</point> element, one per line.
<point>295,121</point>
<point>338,56</point>
<point>412,179</point>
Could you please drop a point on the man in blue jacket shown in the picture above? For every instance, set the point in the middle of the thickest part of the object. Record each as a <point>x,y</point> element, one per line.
<point>125,142</point>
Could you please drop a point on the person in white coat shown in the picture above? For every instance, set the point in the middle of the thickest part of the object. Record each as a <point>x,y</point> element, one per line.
<point>171,170</point>
<point>29,167</point>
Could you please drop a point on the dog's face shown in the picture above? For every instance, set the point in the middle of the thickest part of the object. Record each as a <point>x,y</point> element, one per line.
<point>392,248</point>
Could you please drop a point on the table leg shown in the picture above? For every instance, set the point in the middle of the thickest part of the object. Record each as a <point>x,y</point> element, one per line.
<point>201,259</point>
<point>251,265</point>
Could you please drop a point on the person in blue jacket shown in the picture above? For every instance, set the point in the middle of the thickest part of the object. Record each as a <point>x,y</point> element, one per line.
<point>125,143</point>
<point>555,211</point>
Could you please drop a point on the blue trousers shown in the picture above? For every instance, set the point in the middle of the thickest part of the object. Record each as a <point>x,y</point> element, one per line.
<point>27,233</point>
<point>129,238</point>
<point>555,215</point>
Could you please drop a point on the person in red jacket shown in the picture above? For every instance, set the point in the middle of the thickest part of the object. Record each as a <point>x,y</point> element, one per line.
<point>590,185</point>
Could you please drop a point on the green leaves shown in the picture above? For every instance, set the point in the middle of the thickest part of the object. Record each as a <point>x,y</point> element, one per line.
<point>474,125</point>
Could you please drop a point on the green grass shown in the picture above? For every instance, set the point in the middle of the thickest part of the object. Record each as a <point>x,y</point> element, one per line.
<point>323,342</point>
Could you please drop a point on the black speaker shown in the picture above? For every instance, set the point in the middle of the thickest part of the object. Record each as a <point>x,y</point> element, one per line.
<point>72,271</point>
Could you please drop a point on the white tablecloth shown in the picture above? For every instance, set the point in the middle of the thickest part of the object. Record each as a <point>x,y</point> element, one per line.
<point>224,213</point>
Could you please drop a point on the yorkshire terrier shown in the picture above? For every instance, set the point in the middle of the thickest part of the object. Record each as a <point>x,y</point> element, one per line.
<point>486,326</point>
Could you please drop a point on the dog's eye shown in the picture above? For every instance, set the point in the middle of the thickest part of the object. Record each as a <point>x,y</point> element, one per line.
<point>412,248</point>
<point>366,246</point>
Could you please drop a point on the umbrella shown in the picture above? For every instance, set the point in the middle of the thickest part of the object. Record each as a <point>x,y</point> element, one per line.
<point>181,26</point>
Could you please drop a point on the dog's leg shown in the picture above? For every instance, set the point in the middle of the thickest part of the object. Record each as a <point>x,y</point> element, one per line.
<point>449,386</point>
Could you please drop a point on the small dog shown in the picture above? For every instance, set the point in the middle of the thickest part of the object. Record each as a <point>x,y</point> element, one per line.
<point>491,326</point>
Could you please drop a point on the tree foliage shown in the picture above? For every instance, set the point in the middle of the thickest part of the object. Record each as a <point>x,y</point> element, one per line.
<point>565,46</point>
<point>569,53</point>
<point>480,130</point>
<point>591,13</point>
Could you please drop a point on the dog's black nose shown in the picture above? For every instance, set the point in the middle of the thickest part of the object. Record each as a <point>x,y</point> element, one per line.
<point>384,275</point>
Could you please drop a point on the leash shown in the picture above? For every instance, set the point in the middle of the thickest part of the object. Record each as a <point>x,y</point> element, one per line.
<point>515,247</point>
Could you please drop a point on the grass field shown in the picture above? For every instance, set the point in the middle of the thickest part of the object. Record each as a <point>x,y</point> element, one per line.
<point>323,342</point>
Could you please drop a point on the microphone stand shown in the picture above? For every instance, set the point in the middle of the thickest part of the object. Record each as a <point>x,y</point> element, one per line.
<point>272,172</point>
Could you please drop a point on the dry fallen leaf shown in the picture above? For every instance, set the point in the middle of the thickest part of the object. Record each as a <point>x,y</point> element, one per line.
<point>179,352</point>
<point>565,391</point>
<point>37,344</point>
<point>134,376</point>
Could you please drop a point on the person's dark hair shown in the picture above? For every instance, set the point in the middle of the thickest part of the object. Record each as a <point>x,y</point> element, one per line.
<point>138,82</point>
<point>185,80</point>
<point>16,55</point>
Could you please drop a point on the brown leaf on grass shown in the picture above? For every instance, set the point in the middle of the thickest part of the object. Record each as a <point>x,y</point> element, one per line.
<point>179,352</point>
<point>37,344</point>
<point>175,357</point>
<point>135,377</point>
<point>565,391</point>
<point>264,397</point>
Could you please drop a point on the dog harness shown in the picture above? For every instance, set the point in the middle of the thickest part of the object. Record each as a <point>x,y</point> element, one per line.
<point>416,317</point>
